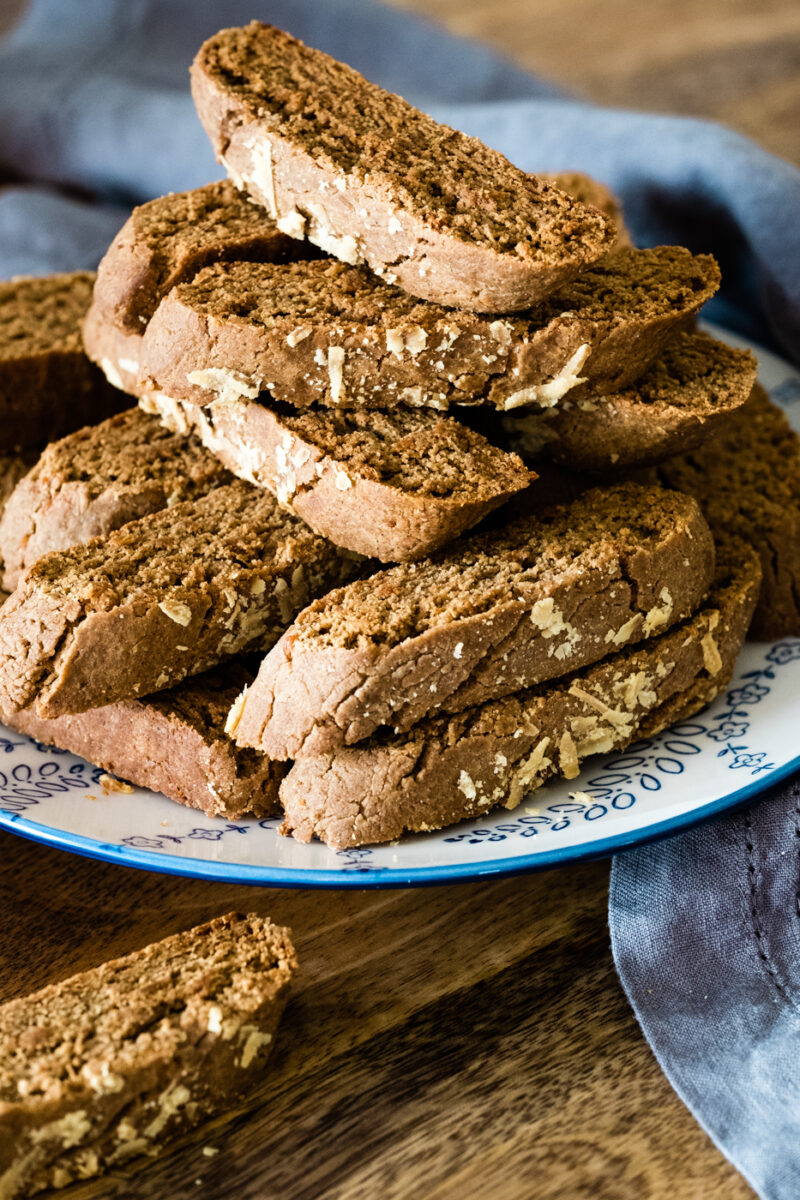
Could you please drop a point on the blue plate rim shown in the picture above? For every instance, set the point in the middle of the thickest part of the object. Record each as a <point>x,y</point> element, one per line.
<point>388,877</point>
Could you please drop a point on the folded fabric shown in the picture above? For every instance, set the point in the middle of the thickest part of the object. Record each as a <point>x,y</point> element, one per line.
<point>705,937</point>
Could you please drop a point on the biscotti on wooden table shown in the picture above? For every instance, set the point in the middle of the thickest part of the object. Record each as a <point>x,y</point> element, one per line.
<point>324,333</point>
<point>453,768</point>
<point>485,618</point>
<point>174,742</point>
<point>162,598</point>
<point>48,386</point>
<point>116,1061</point>
<point>369,179</point>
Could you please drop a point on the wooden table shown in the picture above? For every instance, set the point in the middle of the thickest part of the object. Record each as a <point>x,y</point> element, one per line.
<point>455,1043</point>
<point>461,1043</point>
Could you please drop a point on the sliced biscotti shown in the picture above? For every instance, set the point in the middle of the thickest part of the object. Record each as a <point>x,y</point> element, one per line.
<point>370,179</point>
<point>321,332</point>
<point>163,243</point>
<point>492,614</point>
<point>174,742</point>
<point>13,467</point>
<point>114,1062</point>
<point>97,480</point>
<point>591,191</point>
<point>747,481</point>
<point>162,598</point>
<point>394,484</point>
<point>449,769</point>
<point>682,399</point>
<point>48,386</point>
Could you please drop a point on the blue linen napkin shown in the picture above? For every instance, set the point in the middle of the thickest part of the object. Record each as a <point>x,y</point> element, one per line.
<point>94,100</point>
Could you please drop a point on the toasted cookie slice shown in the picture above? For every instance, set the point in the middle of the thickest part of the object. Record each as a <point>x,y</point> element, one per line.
<point>174,742</point>
<point>590,191</point>
<point>449,769</point>
<point>321,332</point>
<point>165,242</point>
<point>490,615</point>
<point>162,598</point>
<point>48,386</point>
<point>684,397</point>
<point>393,485</point>
<point>98,479</point>
<point>746,479</point>
<point>114,1062</point>
<point>362,174</point>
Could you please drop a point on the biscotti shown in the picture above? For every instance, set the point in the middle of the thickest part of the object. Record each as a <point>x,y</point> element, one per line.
<point>97,480</point>
<point>114,1062</point>
<point>682,399</point>
<point>591,191</point>
<point>370,179</point>
<point>321,332</point>
<point>747,481</point>
<point>394,484</point>
<point>174,742</point>
<point>490,615</point>
<point>449,769</point>
<point>48,387</point>
<point>163,243</point>
<point>162,598</point>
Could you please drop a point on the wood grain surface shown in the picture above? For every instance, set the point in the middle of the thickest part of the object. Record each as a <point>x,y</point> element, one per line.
<point>464,1043</point>
<point>458,1043</point>
<point>737,61</point>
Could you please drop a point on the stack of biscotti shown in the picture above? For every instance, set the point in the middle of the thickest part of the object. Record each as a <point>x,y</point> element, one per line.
<point>331,352</point>
<point>462,284</point>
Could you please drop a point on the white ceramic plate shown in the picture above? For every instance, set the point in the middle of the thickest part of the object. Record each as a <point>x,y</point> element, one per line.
<point>744,742</point>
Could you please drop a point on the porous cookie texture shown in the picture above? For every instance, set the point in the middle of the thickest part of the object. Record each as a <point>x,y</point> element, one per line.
<point>321,332</point>
<point>483,619</point>
<point>116,1061</point>
<point>590,191</point>
<point>369,179</point>
<point>174,742</point>
<point>163,243</point>
<point>165,597</point>
<point>453,768</point>
<point>48,386</point>
<point>394,484</point>
<point>747,481</point>
<point>97,480</point>
<point>686,395</point>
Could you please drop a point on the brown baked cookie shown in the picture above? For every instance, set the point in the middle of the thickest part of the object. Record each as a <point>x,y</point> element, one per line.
<point>370,179</point>
<point>490,615</point>
<point>321,332</point>
<point>682,399</point>
<point>174,742</point>
<point>394,484</point>
<point>162,598</point>
<point>116,1061</point>
<point>449,769</point>
<point>747,481</point>
<point>48,387</point>
<point>98,479</point>
<point>591,191</point>
<point>165,242</point>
